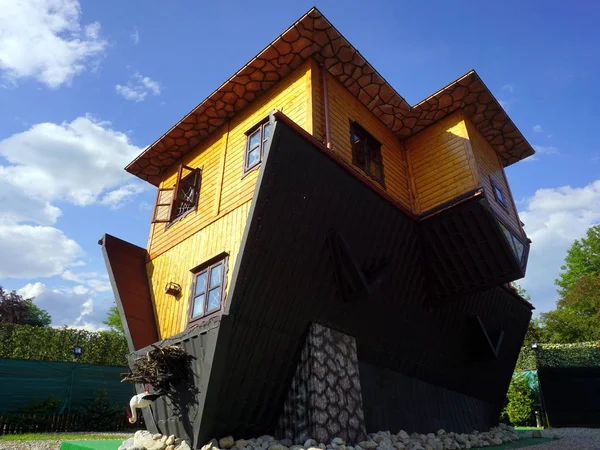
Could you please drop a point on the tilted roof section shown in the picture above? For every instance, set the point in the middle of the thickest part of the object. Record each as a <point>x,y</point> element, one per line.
<point>313,35</point>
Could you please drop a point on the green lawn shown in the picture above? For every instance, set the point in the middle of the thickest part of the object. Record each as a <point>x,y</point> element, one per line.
<point>62,437</point>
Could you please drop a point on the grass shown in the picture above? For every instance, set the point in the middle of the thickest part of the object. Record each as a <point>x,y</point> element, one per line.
<point>62,437</point>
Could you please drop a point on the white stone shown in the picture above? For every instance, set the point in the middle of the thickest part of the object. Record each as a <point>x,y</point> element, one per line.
<point>322,446</point>
<point>368,445</point>
<point>338,441</point>
<point>156,436</point>
<point>140,437</point>
<point>170,447</point>
<point>309,443</point>
<point>153,444</point>
<point>403,435</point>
<point>266,438</point>
<point>296,447</point>
<point>126,444</point>
<point>241,443</point>
<point>226,442</point>
<point>170,440</point>
<point>277,447</point>
<point>287,442</point>
<point>183,446</point>
<point>212,445</point>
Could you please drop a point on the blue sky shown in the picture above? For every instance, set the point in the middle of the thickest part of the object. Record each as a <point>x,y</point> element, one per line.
<point>85,86</point>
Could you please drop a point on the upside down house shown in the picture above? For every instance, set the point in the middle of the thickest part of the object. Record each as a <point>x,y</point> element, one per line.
<point>336,260</point>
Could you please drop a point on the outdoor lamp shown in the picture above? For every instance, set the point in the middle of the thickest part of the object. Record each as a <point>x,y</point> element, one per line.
<point>77,351</point>
<point>173,289</point>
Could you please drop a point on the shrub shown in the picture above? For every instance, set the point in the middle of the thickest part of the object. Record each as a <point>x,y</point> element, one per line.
<point>100,414</point>
<point>520,403</point>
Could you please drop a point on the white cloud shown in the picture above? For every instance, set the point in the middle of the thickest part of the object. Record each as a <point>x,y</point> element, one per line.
<point>73,162</point>
<point>137,88</point>
<point>92,280</point>
<point>119,197</point>
<point>504,103</point>
<point>538,129</point>
<point>35,251</point>
<point>135,37</point>
<point>509,87</point>
<point>45,40</point>
<point>545,149</point>
<point>553,219</point>
<point>74,307</point>
<point>32,290</point>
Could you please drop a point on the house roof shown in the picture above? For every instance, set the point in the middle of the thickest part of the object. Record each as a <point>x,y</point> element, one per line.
<point>314,36</point>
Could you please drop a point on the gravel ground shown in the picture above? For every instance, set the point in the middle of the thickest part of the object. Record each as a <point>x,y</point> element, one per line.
<point>570,439</point>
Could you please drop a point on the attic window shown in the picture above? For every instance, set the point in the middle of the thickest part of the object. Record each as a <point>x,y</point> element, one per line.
<point>256,142</point>
<point>173,203</point>
<point>366,152</point>
<point>499,194</point>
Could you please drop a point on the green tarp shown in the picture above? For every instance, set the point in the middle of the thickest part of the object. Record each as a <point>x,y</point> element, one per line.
<point>23,382</point>
<point>91,445</point>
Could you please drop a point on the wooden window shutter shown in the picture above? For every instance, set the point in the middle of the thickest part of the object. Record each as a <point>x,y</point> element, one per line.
<point>162,207</point>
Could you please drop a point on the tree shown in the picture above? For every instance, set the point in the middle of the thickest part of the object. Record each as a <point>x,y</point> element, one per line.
<point>583,258</point>
<point>577,314</point>
<point>113,320</point>
<point>16,309</point>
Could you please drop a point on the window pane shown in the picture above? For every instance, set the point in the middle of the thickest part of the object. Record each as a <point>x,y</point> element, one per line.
<point>162,212</point>
<point>214,299</point>
<point>201,283</point>
<point>267,131</point>
<point>198,306</point>
<point>253,157</point>
<point>164,197</point>
<point>519,248</point>
<point>360,156</point>
<point>255,139</point>
<point>216,274</point>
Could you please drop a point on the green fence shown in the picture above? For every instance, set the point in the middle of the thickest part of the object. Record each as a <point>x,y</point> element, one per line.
<point>23,382</point>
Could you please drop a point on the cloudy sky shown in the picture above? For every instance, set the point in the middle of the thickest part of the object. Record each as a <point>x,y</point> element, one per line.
<point>86,85</point>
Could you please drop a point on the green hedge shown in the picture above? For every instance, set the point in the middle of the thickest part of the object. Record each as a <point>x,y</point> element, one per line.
<point>55,344</point>
<point>581,354</point>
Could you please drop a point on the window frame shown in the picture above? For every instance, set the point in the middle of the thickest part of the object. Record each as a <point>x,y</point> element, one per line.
<point>372,145</point>
<point>260,127</point>
<point>501,199</point>
<point>175,194</point>
<point>206,268</point>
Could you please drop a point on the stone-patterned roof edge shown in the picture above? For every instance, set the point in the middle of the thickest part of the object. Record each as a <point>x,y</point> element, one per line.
<point>314,36</point>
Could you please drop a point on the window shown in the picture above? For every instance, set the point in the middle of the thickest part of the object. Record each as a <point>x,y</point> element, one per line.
<point>173,203</point>
<point>513,241</point>
<point>366,152</point>
<point>207,290</point>
<point>256,141</point>
<point>499,194</point>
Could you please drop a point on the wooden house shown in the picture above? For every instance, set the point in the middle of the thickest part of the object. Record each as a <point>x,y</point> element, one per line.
<point>336,259</point>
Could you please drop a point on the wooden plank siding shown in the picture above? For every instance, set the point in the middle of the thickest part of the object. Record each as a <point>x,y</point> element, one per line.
<point>490,168</point>
<point>440,165</point>
<point>344,108</point>
<point>223,235</point>
<point>224,186</point>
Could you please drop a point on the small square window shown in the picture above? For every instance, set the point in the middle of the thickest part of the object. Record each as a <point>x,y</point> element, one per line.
<point>173,203</point>
<point>366,152</point>
<point>256,142</point>
<point>499,194</point>
<point>207,291</point>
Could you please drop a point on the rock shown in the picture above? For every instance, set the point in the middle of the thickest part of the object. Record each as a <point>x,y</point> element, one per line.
<point>140,437</point>
<point>322,446</point>
<point>170,447</point>
<point>266,438</point>
<point>183,446</point>
<point>156,436</point>
<point>496,441</point>
<point>153,444</point>
<point>296,447</point>
<point>536,434</point>
<point>314,448</point>
<point>338,441</point>
<point>399,445</point>
<point>178,441</point>
<point>287,442</point>
<point>277,447</point>
<point>170,440</point>
<point>368,445</point>
<point>241,443</point>
<point>126,444</point>
<point>309,443</point>
<point>226,442</point>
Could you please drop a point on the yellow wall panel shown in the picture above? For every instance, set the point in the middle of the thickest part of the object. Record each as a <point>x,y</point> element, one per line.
<point>490,169</point>
<point>439,163</point>
<point>174,265</point>
<point>344,108</point>
<point>224,186</point>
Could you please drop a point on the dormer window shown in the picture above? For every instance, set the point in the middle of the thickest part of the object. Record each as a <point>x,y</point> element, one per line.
<point>366,152</point>
<point>499,195</point>
<point>174,203</point>
<point>256,141</point>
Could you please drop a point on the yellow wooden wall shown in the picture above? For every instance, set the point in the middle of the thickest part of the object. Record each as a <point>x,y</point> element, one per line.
<point>490,167</point>
<point>223,235</point>
<point>224,186</point>
<point>343,108</point>
<point>225,194</point>
<point>439,163</point>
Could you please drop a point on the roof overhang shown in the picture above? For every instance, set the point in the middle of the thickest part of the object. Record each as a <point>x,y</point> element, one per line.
<point>314,36</point>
